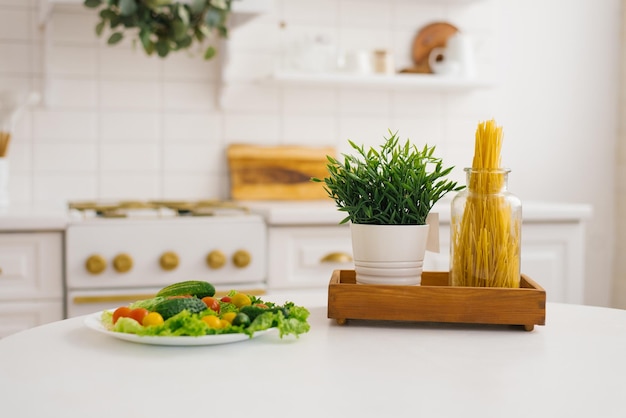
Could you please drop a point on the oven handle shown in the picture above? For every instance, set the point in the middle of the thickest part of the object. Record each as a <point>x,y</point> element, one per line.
<point>85,300</point>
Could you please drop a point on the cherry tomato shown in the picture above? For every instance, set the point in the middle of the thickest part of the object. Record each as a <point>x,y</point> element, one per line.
<point>153,318</point>
<point>121,312</point>
<point>260,305</point>
<point>225,299</point>
<point>138,314</point>
<point>212,303</point>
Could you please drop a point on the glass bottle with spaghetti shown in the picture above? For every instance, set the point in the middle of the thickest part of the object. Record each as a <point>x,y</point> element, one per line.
<point>486,220</point>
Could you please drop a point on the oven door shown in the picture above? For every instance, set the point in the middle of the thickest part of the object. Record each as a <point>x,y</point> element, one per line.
<point>84,302</point>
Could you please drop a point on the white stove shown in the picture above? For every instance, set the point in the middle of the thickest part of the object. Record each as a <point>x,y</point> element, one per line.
<point>118,252</point>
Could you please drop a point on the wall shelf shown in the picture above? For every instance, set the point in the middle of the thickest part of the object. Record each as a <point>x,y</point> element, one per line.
<point>243,8</point>
<point>393,81</point>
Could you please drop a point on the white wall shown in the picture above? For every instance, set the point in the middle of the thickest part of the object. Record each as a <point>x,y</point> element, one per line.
<point>120,125</point>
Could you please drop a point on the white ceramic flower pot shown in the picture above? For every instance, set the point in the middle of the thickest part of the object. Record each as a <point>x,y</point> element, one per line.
<point>389,254</point>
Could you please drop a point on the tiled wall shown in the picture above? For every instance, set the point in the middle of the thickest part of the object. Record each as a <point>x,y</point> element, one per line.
<point>116,124</point>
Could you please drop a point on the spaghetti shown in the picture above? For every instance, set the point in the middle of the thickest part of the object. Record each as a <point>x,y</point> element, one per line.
<point>486,220</point>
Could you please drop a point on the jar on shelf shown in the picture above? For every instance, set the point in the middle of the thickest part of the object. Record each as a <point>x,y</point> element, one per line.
<point>485,232</point>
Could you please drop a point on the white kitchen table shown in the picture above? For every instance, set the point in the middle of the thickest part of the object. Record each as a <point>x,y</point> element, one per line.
<point>574,366</point>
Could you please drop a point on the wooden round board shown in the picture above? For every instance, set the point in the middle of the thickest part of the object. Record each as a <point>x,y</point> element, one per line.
<point>429,37</point>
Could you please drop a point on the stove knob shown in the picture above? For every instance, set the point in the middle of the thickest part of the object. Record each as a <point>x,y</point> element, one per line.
<point>122,263</point>
<point>169,260</point>
<point>95,264</point>
<point>216,259</point>
<point>241,258</point>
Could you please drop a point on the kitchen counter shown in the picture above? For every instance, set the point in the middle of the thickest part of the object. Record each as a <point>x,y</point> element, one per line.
<point>315,212</point>
<point>33,218</point>
<point>573,366</point>
<point>324,212</point>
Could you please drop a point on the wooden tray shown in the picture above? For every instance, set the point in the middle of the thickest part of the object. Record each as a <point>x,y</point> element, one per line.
<point>435,301</point>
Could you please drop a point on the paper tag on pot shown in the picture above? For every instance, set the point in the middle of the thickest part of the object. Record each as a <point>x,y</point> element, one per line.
<point>432,243</point>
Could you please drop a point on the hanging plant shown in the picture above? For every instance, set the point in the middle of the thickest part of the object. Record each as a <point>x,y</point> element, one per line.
<point>163,26</point>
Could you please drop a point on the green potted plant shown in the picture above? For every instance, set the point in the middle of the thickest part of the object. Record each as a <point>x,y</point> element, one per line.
<point>163,26</point>
<point>387,194</point>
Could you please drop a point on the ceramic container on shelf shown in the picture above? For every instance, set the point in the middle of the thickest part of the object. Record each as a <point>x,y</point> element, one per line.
<point>485,229</point>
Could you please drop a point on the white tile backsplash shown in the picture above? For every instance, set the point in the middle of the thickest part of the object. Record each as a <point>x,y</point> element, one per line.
<point>16,58</point>
<point>71,93</point>
<point>189,96</point>
<point>15,25</point>
<point>50,126</point>
<point>130,126</point>
<point>130,95</point>
<point>365,13</point>
<point>320,12</point>
<point>71,60</point>
<point>200,158</point>
<point>134,157</point>
<point>73,28</point>
<point>130,185</point>
<point>125,62</point>
<point>58,187</point>
<point>64,157</point>
<point>185,127</point>
<point>306,130</point>
<point>254,129</point>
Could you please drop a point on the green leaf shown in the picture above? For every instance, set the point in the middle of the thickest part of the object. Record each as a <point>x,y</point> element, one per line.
<point>179,29</point>
<point>115,38</point>
<point>107,14</point>
<point>209,53</point>
<point>184,42</point>
<point>213,18</point>
<point>127,7</point>
<point>162,48</point>
<point>92,3</point>
<point>146,42</point>
<point>197,6</point>
<point>219,4</point>
<point>100,27</point>
<point>183,13</point>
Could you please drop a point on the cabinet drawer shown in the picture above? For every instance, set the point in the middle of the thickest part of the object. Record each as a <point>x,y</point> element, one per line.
<point>31,265</point>
<point>19,316</point>
<point>306,256</point>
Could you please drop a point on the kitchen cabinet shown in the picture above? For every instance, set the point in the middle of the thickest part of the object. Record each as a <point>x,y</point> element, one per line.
<point>31,279</point>
<point>306,244</point>
<point>305,256</point>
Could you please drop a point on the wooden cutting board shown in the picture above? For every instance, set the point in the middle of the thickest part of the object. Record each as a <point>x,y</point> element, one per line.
<point>431,36</point>
<point>277,172</point>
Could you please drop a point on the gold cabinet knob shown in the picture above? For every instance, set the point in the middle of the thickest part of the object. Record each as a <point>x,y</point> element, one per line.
<point>336,257</point>
<point>95,264</point>
<point>169,260</point>
<point>216,259</point>
<point>122,263</point>
<point>241,258</point>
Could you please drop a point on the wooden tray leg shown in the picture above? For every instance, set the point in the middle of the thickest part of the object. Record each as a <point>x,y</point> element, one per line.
<point>341,321</point>
<point>529,327</point>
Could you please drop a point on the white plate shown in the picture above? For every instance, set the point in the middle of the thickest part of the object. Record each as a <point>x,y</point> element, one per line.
<point>93,321</point>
